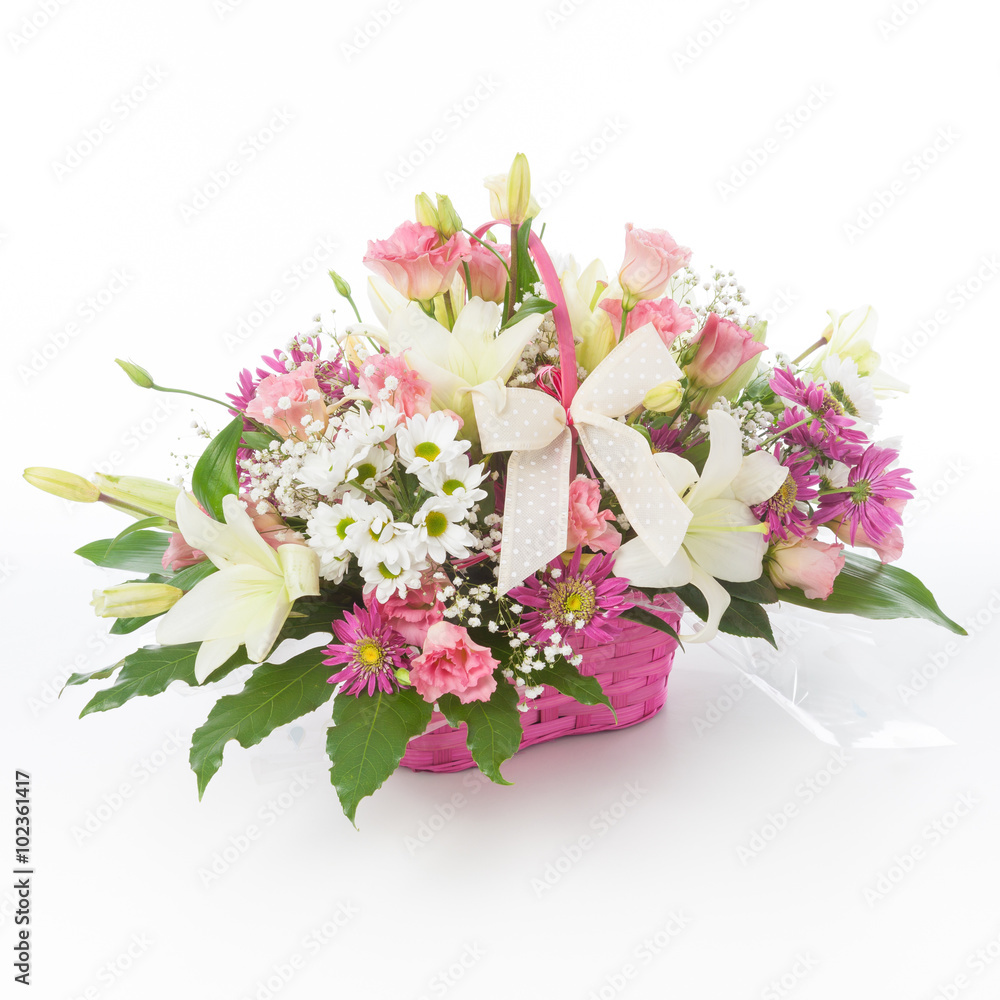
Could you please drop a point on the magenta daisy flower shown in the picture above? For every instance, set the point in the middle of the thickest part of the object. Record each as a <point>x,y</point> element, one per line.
<point>370,650</point>
<point>870,484</point>
<point>574,600</point>
<point>784,512</point>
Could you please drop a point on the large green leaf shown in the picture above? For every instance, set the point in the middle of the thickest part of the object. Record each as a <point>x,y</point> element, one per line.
<point>759,591</point>
<point>259,440</point>
<point>747,619</point>
<point>274,694</point>
<point>566,679</point>
<point>150,670</point>
<point>214,475</point>
<point>643,616</point>
<point>530,307</point>
<point>876,590</point>
<point>188,577</point>
<point>368,740</point>
<point>140,552</point>
<point>124,626</point>
<point>93,675</point>
<point>494,727</point>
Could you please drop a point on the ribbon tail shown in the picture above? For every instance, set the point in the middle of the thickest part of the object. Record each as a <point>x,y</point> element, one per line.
<point>536,510</point>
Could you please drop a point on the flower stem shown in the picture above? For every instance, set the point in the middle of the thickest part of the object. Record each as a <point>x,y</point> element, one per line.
<point>805,354</point>
<point>449,310</point>
<point>512,284</point>
<point>197,395</point>
<point>785,430</point>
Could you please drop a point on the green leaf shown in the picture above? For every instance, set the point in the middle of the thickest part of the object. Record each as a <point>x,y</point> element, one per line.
<point>760,591</point>
<point>188,577</point>
<point>146,522</point>
<point>494,727</point>
<point>94,675</point>
<point>308,617</point>
<point>878,591</point>
<point>259,440</point>
<point>151,670</point>
<point>368,740</point>
<point>748,619</point>
<point>141,552</point>
<point>274,694</point>
<point>694,599</point>
<point>529,307</point>
<point>214,475</point>
<point>643,616</point>
<point>527,275</point>
<point>123,626</point>
<point>566,679</point>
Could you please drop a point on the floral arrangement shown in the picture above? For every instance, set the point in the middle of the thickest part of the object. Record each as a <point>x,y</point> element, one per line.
<point>515,456</point>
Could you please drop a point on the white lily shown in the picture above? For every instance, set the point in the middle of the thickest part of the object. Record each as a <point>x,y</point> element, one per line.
<point>456,361</point>
<point>590,323</point>
<point>851,335</point>
<point>725,540</point>
<point>250,597</point>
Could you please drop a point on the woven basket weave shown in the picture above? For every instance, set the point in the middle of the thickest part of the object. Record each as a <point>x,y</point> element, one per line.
<point>632,671</point>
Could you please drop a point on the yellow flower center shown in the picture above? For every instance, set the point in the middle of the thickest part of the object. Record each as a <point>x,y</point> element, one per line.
<point>427,450</point>
<point>436,523</point>
<point>571,600</point>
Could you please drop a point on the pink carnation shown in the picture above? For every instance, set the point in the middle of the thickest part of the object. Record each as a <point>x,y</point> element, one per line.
<point>808,564</point>
<point>179,554</point>
<point>413,263</point>
<point>588,525</point>
<point>452,663</point>
<point>411,616</point>
<point>283,401</point>
<point>406,390</point>
<point>668,318</point>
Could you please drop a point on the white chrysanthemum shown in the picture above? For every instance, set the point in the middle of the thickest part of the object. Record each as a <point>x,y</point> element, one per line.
<point>456,479</point>
<point>426,440</point>
<point>370,468</point>
<point>440,529</point>
<point>326,466</point>
<point>327,530</point>
<point>379,540</point>
<point>370,428</point>
<point>855,393</point>
<point>385,581</point>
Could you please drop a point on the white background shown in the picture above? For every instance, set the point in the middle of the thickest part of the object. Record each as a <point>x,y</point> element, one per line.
<point>434,98</point>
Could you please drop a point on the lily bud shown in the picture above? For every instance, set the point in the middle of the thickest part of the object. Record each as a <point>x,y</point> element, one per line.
<point>403,675</point>
<point>67,485</point>
<point>138,496</point>
<point>664,397</point>
<point>425,212</point>
<point>519,189</point>
<point>450,222</point>
<point>343,288</point>
<point>137,374</point>
<point>135,600</point>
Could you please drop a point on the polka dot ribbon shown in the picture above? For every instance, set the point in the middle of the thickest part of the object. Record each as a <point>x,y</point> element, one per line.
<point>532,425</point>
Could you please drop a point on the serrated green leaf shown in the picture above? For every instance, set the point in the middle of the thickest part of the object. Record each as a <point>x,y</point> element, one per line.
<point>745,618</point>
<point>151,670</point>
<point>759,591</point>
<point>368,740</point>
<point>643,616</point>
<point>94,675</point>
<point>274,694</point>
<point>694,599</point>
<point>214,475</point>
<point>566,679</point>
<point>141,552</point>
<point>494,727</point>
<point>878,591</point>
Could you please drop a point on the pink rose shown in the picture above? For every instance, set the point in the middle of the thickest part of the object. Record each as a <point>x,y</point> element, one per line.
<point>411,616</point>
<point>651,257</point>
<point>808,564</point>
<point>413,263</point>
<point>271,527</point>
<point>669,318</point>
<point>722,348</point>
<point>282,401</point>
<point>588,525</point>
<point>179,554</point>
<point>385,378</point>
<point>889,549</point>
<point>452,663</point>
<point>487,275</point>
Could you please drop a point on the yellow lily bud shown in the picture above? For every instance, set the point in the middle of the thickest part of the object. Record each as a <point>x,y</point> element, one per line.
<point>67,485</point>
<point>135,600</point>
<point>138,496</point>
<point>138,375</point>
<point>425,212</point>
<point>664,397</point>
<point>519,189</point>
<point>449,221</point>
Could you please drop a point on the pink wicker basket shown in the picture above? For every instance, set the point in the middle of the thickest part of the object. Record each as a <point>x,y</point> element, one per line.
<point>632,670</point>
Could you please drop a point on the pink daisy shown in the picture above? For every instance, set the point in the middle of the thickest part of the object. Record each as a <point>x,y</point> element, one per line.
<point>370,650</point>
<point>574,599</point>
<point>865,501</point>
<point>784,512</point>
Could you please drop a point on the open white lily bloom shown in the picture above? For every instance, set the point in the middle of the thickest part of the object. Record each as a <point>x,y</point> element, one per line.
<point>724,540</point>
<point>250,597</point>
<point>851,335</point>
<point>455,361</point>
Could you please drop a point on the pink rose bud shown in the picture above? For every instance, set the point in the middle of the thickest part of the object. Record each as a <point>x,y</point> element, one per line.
<point>414,263</point>
<point>179,555</point>
<point>452,663</point>
<point>411,616</point>
<point>651,257</point>
<point>668,318</point>
<point>487,275</point>
<point>588,525</point>
<point>807,564</point>
<point>386,379</point>
<point>722,347</point>
<point>291,404</point>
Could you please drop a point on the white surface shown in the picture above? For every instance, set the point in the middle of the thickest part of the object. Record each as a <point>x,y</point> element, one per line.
<point>601,108</point>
